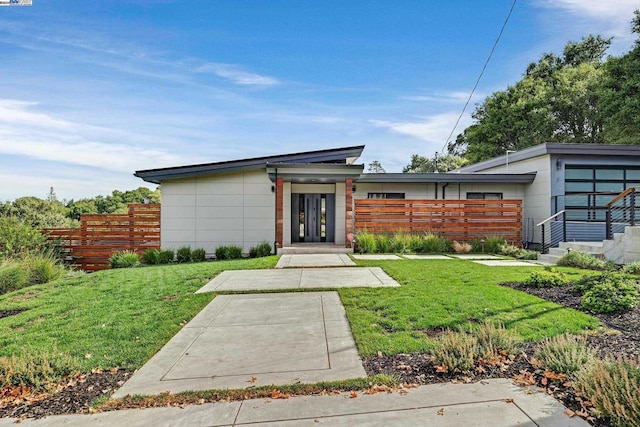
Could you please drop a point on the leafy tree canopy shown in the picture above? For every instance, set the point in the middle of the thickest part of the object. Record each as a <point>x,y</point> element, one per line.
<point>421,164</point>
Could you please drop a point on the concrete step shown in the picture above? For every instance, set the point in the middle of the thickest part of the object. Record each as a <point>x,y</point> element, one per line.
<point>312,248</point>
<point>548,258</point>
<point>557,251</point>
<point>594,248</point>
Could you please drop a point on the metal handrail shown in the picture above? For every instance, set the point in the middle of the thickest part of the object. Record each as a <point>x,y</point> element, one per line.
<point>622,195</point>
<point>550,218</point>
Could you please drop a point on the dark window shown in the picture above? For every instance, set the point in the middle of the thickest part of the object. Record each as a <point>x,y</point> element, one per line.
<point>587,188</point>
<point>485,196</point>
<point>385,196</point>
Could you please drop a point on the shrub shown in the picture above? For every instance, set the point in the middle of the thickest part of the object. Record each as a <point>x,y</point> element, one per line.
<point>613,387</point>
<point>461,248</point>
<point>166,256</point>
<point>19,239</point>
<point>546,279</point>
<point>151,257</point>
<point>43,268</point>
<point>491,244</point>
<point>13,276</point>
<point>383,243</point>
<point>609,293</point>
<point>263,249</point>
<point>495,339</point>
<point>124,259</point>
<point>632,268</point>
<point>183,254</point>
<point>37,369</point>
<point>228,252</point>
<point>198,255</point>
<point>366,242</point>
<point>565,354</point>
<point>584,260</point>
<point>519,253</point>
<point>432,243</point>
<point>401,243</point>
<point>456,351</point>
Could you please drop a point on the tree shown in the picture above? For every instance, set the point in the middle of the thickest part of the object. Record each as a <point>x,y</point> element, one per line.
<point>375,167</point>
<point>555,101</point>
<point>421,164</point>
<point>619,94</point>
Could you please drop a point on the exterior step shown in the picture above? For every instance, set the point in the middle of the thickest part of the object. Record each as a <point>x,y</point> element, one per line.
<point>548,258</point>
<point>314,249</point>
<point>594,248</point>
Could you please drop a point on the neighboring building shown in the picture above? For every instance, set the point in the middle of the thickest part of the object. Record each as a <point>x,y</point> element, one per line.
<point>580,178</point>
<point>308,196</point>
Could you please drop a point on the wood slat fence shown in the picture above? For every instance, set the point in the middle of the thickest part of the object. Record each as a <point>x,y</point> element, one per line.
<point>99,236</point>
<point>461,220</point>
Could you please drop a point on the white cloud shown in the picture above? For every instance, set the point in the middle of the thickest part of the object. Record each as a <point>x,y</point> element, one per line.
<point>614,17</point>
<point>237,75</point>
<point>38,135</point>
<point>446,97</point>
<point>434,129</point>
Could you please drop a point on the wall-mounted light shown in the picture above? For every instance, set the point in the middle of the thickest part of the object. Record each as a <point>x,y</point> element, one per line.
<point>558,164</point>
<point>353,188</point>
<point>273,188</point>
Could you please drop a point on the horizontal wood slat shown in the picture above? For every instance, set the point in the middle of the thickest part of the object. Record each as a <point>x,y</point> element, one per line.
<point>461,220</point>
<point>99,236</point>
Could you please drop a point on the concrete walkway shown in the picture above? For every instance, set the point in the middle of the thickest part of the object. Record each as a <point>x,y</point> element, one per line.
<point>496,403</point>
<point>299,278</point>
<point>239,341</point>
<point>315,260</point>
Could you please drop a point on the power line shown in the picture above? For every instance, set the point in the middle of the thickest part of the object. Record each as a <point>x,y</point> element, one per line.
<point>513,5</point>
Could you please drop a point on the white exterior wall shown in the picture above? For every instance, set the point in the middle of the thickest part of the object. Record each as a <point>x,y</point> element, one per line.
<point>427,191</point>
<point>207,212</point>
<point>341,213</point>
<point>537,195</point>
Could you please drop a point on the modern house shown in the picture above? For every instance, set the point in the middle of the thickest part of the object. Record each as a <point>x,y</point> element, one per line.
<point>309,197</point>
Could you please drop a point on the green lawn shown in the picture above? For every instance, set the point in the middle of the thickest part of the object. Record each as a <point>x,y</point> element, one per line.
<point>122,317</point>
<point>113,317</point>
<point>450,293</point>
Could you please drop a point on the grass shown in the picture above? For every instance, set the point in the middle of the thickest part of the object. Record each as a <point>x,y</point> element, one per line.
<point>436,295</point>
<point>112,318</point>
<point>121,317</point>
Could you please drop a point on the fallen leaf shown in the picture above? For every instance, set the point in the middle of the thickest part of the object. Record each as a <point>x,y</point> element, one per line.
<point>87,356</point>
<point>276,394</point>
<point>570,413</point>
<point>544,381</point>
<point>508,400</point>
<point>353,394</point>
<point>442,368</point>
<point>441,411</point>
<point>253,380</point>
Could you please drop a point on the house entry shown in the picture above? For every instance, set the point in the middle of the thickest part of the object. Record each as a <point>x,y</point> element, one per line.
<point>313,217</point>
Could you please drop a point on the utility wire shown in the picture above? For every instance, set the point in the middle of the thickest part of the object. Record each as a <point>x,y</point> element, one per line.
<point>513,5</point>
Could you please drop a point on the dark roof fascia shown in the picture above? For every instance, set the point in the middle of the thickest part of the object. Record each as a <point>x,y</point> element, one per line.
<point>189,171</point>
<point>329,172</point>
<point>450,178</point>
<point>554,148</point>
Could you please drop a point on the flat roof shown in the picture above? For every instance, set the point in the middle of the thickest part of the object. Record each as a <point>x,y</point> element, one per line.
<point>450,177</point>
<point>554,148</point>
<point>343,155</point>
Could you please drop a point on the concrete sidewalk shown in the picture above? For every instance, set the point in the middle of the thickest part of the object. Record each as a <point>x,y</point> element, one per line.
<point>496,403</point>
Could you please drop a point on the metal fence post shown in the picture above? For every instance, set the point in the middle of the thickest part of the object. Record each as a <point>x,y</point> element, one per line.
<point>632,199</point>
<point>544,249</point>
<point>608,224</point>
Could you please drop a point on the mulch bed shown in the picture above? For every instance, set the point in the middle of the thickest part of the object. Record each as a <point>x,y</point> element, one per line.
<point>77,395</point>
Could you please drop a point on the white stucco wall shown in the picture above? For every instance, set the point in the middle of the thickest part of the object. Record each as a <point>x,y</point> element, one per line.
<point>207,212</point>
<point>427,191</point>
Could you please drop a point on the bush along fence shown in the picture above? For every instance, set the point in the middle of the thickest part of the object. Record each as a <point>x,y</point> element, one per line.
<point>99,236</point>
<point>460,220</point>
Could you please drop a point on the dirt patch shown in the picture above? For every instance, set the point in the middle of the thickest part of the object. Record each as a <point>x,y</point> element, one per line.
<point>12,312</point>
<point>74,397</point>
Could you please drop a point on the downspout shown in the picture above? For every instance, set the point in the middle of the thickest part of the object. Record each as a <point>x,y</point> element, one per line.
<point>443,192</point>
<point>435,189</point>
<point>275,216</point>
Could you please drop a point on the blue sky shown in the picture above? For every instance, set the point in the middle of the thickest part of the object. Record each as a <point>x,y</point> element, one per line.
<point>94,90</point>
